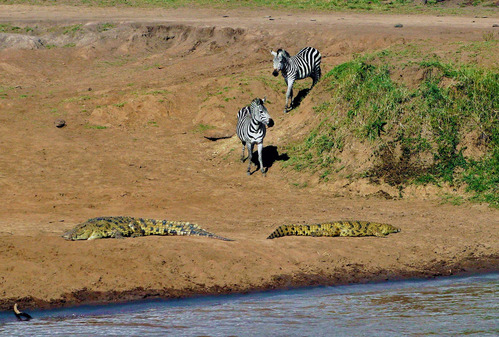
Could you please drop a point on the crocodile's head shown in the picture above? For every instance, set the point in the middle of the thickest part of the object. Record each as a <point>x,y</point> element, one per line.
<point>387,229</point>
<point>82,232</point>
<point>88,230</point>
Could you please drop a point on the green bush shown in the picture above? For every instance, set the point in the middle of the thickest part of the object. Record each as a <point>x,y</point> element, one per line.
<point>430,120</point>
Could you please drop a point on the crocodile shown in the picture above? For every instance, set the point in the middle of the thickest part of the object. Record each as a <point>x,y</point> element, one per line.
<point>123,226</point>
<point>337,228</point>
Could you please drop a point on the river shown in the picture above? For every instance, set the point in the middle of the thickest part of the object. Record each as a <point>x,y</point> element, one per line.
<point>441,307</point>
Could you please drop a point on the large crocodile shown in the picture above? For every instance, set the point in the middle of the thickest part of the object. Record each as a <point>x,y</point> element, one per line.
<point>337,228</point>
<point>123,226</point>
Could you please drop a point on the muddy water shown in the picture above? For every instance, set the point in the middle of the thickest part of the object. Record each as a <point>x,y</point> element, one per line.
<point>445,307</point>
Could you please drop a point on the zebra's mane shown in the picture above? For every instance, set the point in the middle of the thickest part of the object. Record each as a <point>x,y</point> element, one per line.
<point>257,102</point>
<point>283,52</point>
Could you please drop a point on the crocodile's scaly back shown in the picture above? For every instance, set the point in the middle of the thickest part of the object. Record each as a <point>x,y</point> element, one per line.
<point>103,227</point>
<point>337,228</point>
<point>165,227</point>
<point>121,226</point>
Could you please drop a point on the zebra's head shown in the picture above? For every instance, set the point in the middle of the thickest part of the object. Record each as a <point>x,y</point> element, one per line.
<point>279,58</point>
<point>260,113</point>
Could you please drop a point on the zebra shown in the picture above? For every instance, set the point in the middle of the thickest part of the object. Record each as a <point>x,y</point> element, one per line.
<point>251,129</point>
<point>307,63</point>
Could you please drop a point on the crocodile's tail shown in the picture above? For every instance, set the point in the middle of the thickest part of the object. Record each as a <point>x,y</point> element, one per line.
<point>202,232</point>
<point>287,230</point>
<point>195,230</point>
<point>167,227</point>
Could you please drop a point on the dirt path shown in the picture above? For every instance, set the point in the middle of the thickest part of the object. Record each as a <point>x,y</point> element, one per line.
<point>153,81</point>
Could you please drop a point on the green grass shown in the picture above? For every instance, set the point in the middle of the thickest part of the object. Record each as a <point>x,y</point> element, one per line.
<point>9,28</point>
<point>4,92</point>
<point>71,30</point>
<point>416,133</point>
<point>118,61</point>
<point>78,98</point>
<point>200,128</point>
<point>105,27</point>
<point>378,6</point>
<point>95,127</point>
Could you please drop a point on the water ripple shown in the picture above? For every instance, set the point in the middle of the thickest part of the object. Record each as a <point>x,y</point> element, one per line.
<point>446,307</point>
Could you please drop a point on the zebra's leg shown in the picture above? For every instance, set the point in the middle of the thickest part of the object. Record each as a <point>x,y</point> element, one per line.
<point>250,156</point>
<point>260,150</point>
<point>316,76</point>
<point>242,155</point>
<point>289,96</point>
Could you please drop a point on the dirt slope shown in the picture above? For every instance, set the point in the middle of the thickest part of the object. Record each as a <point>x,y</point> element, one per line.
<point>139,90</point>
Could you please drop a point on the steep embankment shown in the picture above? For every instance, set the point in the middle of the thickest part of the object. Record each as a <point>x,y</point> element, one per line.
<point>406,120</point>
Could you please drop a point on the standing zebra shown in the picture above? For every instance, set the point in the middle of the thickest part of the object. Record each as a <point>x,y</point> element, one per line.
<point>251,122</point>
<point>307,63</point>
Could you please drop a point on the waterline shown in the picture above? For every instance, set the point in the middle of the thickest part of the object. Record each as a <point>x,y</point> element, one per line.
<point>443,307</point>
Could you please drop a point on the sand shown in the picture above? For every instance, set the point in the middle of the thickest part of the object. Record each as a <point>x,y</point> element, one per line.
<point>139,100</point>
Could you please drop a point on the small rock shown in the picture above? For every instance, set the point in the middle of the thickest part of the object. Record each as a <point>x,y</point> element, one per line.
<point>60,123</point>
<point>399,25</point>
<point>495,25</point>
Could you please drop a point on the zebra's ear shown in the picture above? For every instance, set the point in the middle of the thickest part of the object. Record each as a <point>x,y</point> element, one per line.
<point>264,99</point>
<point>273,52</point>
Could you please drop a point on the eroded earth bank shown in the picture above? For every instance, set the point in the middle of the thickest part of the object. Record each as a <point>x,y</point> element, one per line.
<point>141,91</point>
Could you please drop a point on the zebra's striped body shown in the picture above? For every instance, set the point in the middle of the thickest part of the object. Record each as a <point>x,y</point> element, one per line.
<point>307,63</point>
<point>251,129</point>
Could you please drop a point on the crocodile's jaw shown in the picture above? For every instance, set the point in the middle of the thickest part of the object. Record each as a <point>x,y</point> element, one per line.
<point>73,236</point>
<point>95,235</point>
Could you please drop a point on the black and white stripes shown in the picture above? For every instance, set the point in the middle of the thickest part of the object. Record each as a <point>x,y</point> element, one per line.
<point>307,63</point>
<point>251,129</point>
<point>252,120</point>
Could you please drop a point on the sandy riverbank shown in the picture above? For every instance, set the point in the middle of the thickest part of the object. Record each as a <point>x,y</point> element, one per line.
<point>134,100</point>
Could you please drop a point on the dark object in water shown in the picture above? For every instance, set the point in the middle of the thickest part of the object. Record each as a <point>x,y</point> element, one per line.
<point>22,316</point>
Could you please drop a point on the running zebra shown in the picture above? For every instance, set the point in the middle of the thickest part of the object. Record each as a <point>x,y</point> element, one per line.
<point>251,122</point>
<point>307,63</point>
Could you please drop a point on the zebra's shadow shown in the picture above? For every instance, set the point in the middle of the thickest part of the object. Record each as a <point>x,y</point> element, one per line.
<point>269,156</point>
<point>299,98</point>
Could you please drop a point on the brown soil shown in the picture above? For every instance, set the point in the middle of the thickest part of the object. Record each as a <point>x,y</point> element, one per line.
<point>160,81</point>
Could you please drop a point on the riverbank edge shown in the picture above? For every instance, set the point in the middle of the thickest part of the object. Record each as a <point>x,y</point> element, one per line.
<point>86,296</point>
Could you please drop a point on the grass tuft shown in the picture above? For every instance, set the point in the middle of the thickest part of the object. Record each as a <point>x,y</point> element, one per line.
<point>443,129</point>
